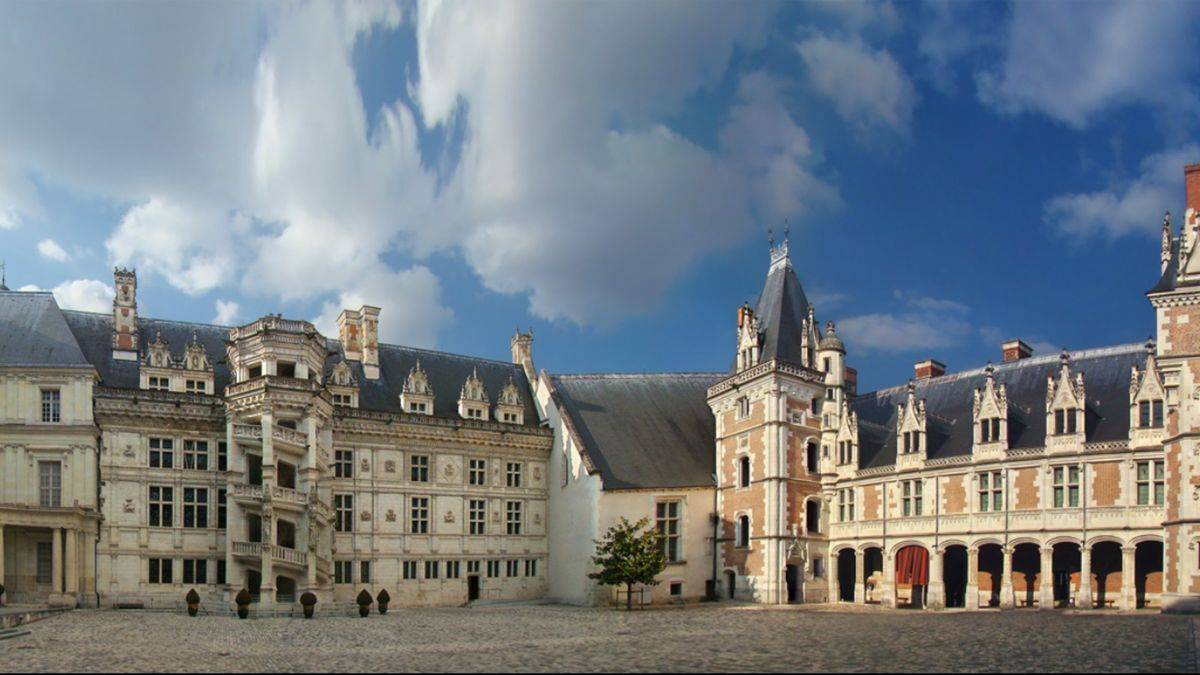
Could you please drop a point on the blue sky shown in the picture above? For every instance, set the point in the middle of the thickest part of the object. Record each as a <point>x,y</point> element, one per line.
<point>954,174</point>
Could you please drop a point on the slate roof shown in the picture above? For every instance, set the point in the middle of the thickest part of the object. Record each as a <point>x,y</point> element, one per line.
<point>781,310</point>
<point>1170,277</point>
<point>447,372</point>
<point>949,400</point>
<point>643,430</point>
<point>33,332</point>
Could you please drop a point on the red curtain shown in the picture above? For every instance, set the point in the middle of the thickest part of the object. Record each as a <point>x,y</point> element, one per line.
<point>912,566</point>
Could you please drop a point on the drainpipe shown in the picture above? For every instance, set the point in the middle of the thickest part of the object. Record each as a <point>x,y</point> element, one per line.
<point>96,546</point>
<point>716,524</point>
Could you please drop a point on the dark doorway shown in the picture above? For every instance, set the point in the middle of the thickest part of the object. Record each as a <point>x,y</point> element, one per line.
<point>1148,568</point>
<point>285,534</point>
<point>1027,572</point>
<point>254,528</point>
<point>792,578</point>
<point>954,575</point>
<point>845,572</point>
<point>254,469</point>
<point>812,513</point>
<point>1106,574</point>
<point>872,574</point>
<point>285,589</point>
<point>813,458</point>
<point>1065,568</point>
<point>254,583</point>
<point>285,475</point>
<point>472,588</point>
<point>991,569</point>
<point>731,584</point>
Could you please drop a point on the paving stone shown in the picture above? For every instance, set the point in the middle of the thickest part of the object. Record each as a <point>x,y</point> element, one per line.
<point>545,638</point>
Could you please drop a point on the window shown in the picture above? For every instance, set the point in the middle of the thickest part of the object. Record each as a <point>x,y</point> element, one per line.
<point>343,399</point>
<point>743,408</point>
<point>343,464</point>
<point>1150,414</point>
<point>493,569</point>
<point>195,507</point>
<point>477,516</point>
<point>364,572</point>
<point>812,459</point>
<point>472,567</point>
<point>991,491</point>
<point>1066,486</point>
<point>1065,421</point>
<point>160,570</point>
<point>818,567</point>
<point>475,413</point>
<point>512,568</point>
<point>221,572</point>
<point>222,512</point>
<point>812,516</point>
<point>453,569</point>
<point>285,369</point>
<point>845,452</point>
<point>912,442</point>
<point>419,468</point>
<point>743,532</point>
<point>477,472</point>
<point>514,517</point>
<point>195,571</point>
<point>408,569</point>
<point>254,371</point>
<point>195,455</point>
<point>846,505</point>
<point>222,456</point>
<point>419,515</point>
<point>416,407</point>
<point>989,430</point>
<point>343,506</point>
<point>531,567</point>
<point>514,474</point>
<point>162,499</point>
<point>51,406</point>
<point>159,383</point>
<point>911,498</point>
<point>676,589</point>
<point>195,386</point>
<point>50,484</point>
<point>1151,482</point>
<point>510,417</point>
<point>743,471</point>
<point>341,571</point>
<point>667,521</point>
<point>432,569</point>
<point>45,562</point>
<point>162,453</point>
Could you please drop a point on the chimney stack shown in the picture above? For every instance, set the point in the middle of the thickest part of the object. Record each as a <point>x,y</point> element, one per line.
<point>1191,178</point>
<point>347,323</point>
<point>521,345</point>
<point>1015,350</point>
<point>125,321</point>
<point>929,368</point>
<point>368,336</point>
<point>851,381</point>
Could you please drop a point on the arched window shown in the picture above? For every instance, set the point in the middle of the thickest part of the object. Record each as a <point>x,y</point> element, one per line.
<point>743,471</point>
<point>812,514</point>
<point>813,458</point>
<point>743,407</point>
<point>743,532</point>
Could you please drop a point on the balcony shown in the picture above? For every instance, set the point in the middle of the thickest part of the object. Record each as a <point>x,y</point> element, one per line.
<point>267,382</point>
<point>240,492</point>
<point>1016,522</point>
<point>252,434</point>
<point>253,550</point>
<point>289,498</point>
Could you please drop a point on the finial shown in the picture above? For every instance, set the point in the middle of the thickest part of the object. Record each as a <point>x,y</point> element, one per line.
<point>989,369</point>
<point>912,386</point>
<point>771,238</point>
<point>1149,344</point>
<point>1064,357</point>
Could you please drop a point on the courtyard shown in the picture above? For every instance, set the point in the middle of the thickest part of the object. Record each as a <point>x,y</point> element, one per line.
<point>541,638</point>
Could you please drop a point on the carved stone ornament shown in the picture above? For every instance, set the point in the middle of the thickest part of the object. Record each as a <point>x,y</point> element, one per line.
<point>449,517</point>
<point>365,516</point>
<point>495,517</point>
<point>537,473</point>
<point>389,466</point>
<point>449,470</point>
<point>129,507</point>
<point>366,465</point>
<point>390,516</point>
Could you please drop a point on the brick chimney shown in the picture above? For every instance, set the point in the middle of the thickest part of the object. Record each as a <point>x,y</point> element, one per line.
<point>125,318</point>
<point>1191,178</point>
<point>1015,350</point>
<point>851,380</point>
<point>929,368</point>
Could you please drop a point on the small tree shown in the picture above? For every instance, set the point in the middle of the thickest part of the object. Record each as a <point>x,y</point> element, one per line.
<point>630,553</point>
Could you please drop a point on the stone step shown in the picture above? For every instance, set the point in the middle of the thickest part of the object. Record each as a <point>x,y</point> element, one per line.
<point>8,633</point>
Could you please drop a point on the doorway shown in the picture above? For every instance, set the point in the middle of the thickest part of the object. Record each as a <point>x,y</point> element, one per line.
<point>792,578</point>
<point>731,584</point>
<point>845,572</point>
<point>473,588</point>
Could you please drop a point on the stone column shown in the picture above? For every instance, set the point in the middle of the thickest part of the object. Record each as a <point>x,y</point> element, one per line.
<point>1006,584</point>
<point>972,599</point>
<point>72,582</point>
<point>860,578</point>
<point>56,567</point>
<point>267,587</point>
<point>311,474</point>
<point>887,588</point>
<point>937,584</point>
<point>1,554</point>
<point>1046,578</point>
<point>1084,598</point>
<point>1128,590</point>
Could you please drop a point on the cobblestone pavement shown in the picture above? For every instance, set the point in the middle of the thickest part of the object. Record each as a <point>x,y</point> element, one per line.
<point>538,638</point>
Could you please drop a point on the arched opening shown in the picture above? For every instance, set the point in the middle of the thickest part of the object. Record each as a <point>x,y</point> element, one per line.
<point>1026,571</point>
<point>254,528</point>
<point>285,475</point>
<point>912,576</point>
<point>285,589</point>
<point>731,584</point>
<point>1148,571</point>
<point>954,575</point>
<point>845,575</point>
<point>743,532</point>
<point>1065,566</point>
<point>254,584</point>
<point>813,458</point>
<point>744,472</point>
<point>1106,574</point>
<point>285,533</point>
<point>991,569</point>
<point>872,574</point>
<point>812,516</point>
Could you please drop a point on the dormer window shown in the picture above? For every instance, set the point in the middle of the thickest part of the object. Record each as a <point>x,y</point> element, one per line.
<point>845,452</point>
<point>159,383</point>
<point>912,442</point>
<point>989,430</point>
<point>1150,414</point>
<point>417,407</point>
<point>475,413</point>
<point>1065,422</point>
<point>195,386</point>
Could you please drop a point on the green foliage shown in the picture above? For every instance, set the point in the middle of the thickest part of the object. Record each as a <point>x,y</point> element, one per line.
<point>308,598</point>
<point>243,598</point>
<point>193,598</point>
<point>383,598</point>
<point>629,553</point>
<point>364,598</point>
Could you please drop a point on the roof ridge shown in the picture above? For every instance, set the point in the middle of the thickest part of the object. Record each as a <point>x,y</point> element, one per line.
<point>581,376</point>
<point>1091,353</point>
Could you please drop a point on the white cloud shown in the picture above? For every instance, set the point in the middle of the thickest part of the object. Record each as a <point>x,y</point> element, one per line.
<point>85,295</point>
<point>1074,60</point>
<point>919,322</point>
<point>1132,206</point>
<point>49,249</point>
<point>227,312</point>
<point>867,86</point>
<point>190,248</point>
<point>415,321</point>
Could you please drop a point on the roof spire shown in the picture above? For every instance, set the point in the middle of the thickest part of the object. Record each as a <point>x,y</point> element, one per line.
<point>779,254</point>
<point>3,276</point>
